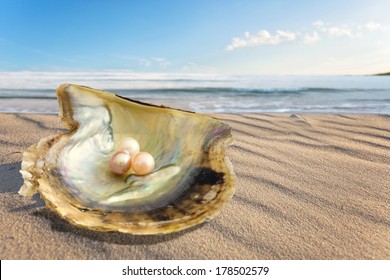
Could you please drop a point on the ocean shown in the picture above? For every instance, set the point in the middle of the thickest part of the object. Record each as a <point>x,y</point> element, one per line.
<point>34,92</point>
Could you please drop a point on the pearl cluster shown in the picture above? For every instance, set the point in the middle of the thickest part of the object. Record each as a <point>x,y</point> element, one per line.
<point>128,156</point>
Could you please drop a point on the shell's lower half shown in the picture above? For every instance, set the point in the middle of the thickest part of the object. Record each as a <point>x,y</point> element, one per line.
<point>191,182</point>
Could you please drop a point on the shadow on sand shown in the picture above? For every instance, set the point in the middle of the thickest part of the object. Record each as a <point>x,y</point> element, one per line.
<point>60,225</point>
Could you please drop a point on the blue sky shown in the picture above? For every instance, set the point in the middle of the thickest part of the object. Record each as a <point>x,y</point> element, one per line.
<point>227,37</point>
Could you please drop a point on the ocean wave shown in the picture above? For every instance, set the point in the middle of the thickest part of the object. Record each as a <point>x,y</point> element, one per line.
<point>35,92</point>
<point>196,91</point>
<point>226,90</point>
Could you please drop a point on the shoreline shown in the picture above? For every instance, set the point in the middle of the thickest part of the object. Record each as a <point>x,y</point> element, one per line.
<point>308,186</point>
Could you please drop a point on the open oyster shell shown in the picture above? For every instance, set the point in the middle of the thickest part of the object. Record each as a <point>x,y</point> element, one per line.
<point>191,182</point>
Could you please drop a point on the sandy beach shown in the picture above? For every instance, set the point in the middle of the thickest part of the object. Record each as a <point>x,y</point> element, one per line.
<point>307,187</point>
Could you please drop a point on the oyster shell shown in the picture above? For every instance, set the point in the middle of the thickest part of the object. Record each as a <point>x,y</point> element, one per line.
<point>191,182</point>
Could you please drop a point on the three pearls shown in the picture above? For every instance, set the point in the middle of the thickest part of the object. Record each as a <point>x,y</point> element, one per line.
<point>128,156</point>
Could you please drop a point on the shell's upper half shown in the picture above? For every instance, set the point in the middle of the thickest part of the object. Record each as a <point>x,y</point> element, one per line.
<point>190,183</point>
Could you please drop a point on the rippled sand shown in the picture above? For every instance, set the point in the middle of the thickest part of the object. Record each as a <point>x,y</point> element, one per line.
<point>307,187</point>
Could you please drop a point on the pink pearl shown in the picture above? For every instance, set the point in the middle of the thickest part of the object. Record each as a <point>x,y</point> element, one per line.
<point>143,163</point>
<point>130,145</point>
<point>120,162</point>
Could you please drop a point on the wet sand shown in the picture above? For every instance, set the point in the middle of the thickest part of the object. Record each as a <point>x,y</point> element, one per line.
<point>307,187</point>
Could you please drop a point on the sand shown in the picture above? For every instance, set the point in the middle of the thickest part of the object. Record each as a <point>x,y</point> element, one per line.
<point>307,187</point>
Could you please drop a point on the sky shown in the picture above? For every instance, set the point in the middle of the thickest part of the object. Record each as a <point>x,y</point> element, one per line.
<point>225,37</point>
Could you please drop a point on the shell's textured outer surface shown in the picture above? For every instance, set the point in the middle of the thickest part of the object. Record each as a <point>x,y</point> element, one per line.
<point>191,182</point>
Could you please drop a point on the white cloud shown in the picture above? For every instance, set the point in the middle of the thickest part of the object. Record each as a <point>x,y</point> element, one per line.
<point>319,31</point>
<point>373,26</point>
<point>162,62</point>
<point>339,31</point>
<point>145,62</point>
<point>334,30</point>
<point>318,23</point>
<point>263,37</point>
<point>311,38</point>
<point>197,68</point>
